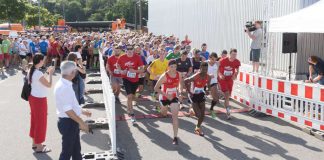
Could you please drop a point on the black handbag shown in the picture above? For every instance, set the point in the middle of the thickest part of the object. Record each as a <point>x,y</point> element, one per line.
<point>25,93</point>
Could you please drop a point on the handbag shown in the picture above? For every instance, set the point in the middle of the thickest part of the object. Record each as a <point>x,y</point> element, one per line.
<point>25,93</point>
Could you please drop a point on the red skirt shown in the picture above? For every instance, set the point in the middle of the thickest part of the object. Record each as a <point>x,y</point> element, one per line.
<point>38,120</point>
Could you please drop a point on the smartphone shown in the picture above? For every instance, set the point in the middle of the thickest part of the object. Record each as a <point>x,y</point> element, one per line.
<point>53,62</point>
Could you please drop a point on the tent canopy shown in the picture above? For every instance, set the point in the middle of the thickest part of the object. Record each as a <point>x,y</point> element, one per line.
<point>307,20</point>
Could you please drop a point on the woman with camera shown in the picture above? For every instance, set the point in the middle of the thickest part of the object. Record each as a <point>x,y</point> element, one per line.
<point>38,102</point>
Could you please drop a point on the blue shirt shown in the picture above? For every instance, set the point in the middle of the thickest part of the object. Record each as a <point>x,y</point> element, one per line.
<point>205,54</point>
<point>168,49</point>
<point>43,46</point>
<point>32,47</point>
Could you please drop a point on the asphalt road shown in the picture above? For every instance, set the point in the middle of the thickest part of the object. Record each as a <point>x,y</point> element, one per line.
<point>243,137</point>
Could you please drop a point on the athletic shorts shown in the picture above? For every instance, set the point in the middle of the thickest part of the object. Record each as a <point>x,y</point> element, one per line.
<point>117,80</point>
<point>22,56</point>
<point>226,85</point>
<point>198,98</point>
<point>154,82</point>
<point>1,56</point>
<point>29,55</point>
<point>168,102</point>
<point>255,55</point>
<point>130,87</point>
<point>6,56</point>
<point>141,81</point>
<point>214,84</point>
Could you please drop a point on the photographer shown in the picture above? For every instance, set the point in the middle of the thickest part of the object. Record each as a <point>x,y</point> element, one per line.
<point>315,65</point>
<point>256,44</point>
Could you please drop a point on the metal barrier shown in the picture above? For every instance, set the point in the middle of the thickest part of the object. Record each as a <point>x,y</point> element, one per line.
<point>291,101</point>
<point>109,101</point>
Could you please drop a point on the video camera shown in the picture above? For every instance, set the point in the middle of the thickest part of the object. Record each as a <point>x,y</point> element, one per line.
<point>249,26</point>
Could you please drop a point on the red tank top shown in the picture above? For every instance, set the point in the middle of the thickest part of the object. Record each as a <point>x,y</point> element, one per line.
<point>170,86</point>
<point>199,84</point>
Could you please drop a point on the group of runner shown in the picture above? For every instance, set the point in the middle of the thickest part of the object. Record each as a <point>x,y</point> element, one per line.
<point>17,52</point>
<point>174,72</point>
<point>170,67</point>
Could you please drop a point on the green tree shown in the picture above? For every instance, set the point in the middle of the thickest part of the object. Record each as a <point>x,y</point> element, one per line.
<point>12,10</point>
<point>32,16</point>
<point>74,11</point>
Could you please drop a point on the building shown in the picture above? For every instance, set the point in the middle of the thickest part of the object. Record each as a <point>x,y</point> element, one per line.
<point>220,24</point>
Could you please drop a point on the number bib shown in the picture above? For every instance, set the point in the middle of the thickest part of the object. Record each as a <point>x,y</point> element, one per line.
<point>171,91</point>
<point>198,90</point>
<point>131,74</point>
<point>228,73</point>
<point>116,71</point>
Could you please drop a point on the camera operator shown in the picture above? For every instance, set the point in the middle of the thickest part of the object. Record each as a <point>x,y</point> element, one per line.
<point>256,44</point>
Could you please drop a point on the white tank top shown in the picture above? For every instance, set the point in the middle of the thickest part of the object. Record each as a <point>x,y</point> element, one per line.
<point>212,71</point>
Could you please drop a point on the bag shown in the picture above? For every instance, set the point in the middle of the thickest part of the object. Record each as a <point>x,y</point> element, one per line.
<point>25,93</point>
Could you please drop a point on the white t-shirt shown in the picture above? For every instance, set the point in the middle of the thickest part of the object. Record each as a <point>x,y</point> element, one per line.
<point>78,55</point>
<point>212,71</point>
<point>22,49</point>
<point>150,59</point>
<point>38,89</point>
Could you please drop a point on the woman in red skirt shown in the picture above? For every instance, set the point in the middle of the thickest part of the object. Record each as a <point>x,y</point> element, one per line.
<point>38,103</point>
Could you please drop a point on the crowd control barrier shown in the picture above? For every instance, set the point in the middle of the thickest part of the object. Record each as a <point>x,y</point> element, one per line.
<point>292,101</point>
<point>109,101</point>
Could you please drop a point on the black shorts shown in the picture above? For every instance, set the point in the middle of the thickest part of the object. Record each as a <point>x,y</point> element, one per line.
<point>168,102</point>
<point>29,55</point>
<point>212,85</point>
<point>154,83</point>
<point>130,87</point>
<point>198,98</point>
<point>22,56</point>
<point>141,81</point>
<point>96,55</point>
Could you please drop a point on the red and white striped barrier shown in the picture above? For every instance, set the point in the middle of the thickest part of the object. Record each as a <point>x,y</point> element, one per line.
<point>292,101</point>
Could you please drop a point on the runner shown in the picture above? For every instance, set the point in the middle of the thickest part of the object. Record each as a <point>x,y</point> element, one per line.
<point>184,67</point>
<point>131,66</point>
<point>227,73</point>
<point>212,71</point>
<point>173,54</point>
<point>156,69</point>
<point>196,60</point>
<point>43,47</point>
<point>200,80</point>
<point>204,53</point>
<point>114,73</point>
<point>5,50</point>
<point>141,76</point>
<point>169,95</point>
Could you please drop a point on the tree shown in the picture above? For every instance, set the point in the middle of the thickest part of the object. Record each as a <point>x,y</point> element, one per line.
<point>32,16</point>
<point>74,11</point>
<point>12,10</point>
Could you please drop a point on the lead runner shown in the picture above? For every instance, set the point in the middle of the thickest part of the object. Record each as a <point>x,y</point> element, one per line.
<point>170,95</point>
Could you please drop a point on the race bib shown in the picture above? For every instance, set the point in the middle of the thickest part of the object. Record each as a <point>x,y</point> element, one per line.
<point>228,73</point>
<point>198,90</point>
<point>116,71</point>
<point>171,91</point>
<point>131,74</point>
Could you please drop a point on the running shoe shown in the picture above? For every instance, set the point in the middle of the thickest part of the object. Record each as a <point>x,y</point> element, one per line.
<point>132,119</point>
<point>228,113</point>
<point>199,132</point>
<point>212,113</point>
<point>175,141</point>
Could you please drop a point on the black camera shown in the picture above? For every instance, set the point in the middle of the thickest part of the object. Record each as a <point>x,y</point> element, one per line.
<point>250,26</point>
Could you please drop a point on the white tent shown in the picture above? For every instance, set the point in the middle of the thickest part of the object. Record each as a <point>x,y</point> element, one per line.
<point>307,20</point>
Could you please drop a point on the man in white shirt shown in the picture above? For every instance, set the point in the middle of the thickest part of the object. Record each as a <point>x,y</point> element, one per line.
<point>69,111</point>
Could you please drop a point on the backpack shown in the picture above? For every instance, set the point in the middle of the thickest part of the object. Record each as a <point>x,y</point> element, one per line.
<point>25,93</point>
